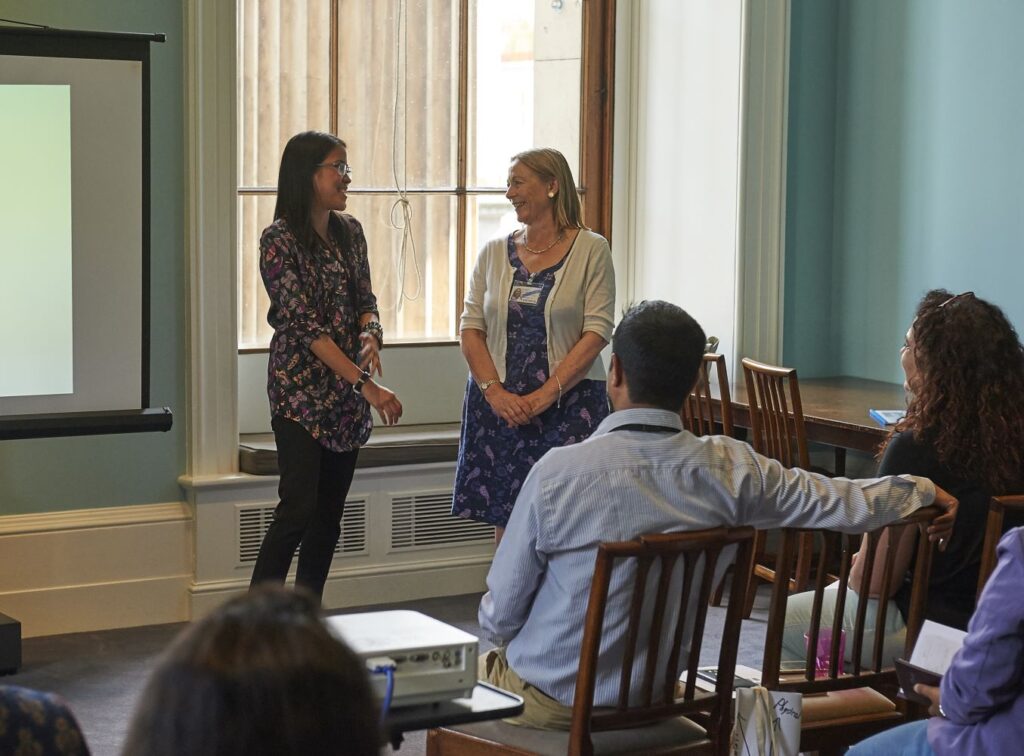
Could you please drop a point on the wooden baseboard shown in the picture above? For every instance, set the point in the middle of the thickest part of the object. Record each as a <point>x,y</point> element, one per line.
<point>96,569</point>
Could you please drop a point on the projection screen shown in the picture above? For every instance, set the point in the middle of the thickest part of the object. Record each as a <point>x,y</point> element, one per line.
<point>74,207</point>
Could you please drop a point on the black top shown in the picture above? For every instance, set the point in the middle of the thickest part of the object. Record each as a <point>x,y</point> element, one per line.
<point>954,579</point>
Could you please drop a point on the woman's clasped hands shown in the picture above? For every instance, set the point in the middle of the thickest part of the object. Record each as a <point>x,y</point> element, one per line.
<point>512,408</point>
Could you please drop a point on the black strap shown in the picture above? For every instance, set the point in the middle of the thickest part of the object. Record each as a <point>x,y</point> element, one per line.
<point>644,428</point>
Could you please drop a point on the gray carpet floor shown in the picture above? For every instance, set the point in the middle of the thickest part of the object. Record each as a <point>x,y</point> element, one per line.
<point>101,674</point>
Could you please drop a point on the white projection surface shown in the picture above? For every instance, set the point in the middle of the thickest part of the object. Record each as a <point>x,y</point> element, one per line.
<point>70,235</point>
<point>35,310</point>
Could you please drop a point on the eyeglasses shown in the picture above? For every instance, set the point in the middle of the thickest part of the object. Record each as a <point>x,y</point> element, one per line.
<point>339,165</point>
<point>956,297</point>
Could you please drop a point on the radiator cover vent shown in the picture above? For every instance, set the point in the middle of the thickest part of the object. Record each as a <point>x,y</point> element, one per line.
<point>424,520</point>
<point>253,523</point>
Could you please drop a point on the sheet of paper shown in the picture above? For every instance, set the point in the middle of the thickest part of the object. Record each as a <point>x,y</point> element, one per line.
<point>936,645</point>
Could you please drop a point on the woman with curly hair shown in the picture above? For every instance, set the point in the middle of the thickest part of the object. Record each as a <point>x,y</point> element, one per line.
<point>964,429</point>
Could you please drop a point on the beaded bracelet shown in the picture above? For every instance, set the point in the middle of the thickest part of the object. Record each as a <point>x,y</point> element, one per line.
<point>374,328</point>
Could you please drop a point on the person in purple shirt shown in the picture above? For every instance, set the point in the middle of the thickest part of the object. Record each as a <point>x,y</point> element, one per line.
<point>978,707</point>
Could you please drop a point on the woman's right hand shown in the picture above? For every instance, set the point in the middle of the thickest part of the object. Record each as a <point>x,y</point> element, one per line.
<point>512,408</point>
<point>384,401</point>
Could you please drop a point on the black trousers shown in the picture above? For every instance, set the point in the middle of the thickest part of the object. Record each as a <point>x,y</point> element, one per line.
<point>314,485</point>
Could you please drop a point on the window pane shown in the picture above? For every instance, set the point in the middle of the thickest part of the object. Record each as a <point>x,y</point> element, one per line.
<point>255,213</point>
<point>283,81</point>
<point>428,308</point>
<point>524,84</point>
<point>488,216</point>
<point>418,140</point>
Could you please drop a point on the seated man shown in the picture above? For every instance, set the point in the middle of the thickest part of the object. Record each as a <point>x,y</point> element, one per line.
<point>641,473</point>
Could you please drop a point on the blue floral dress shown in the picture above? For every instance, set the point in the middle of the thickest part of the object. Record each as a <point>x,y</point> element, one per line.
<point>494,459</point>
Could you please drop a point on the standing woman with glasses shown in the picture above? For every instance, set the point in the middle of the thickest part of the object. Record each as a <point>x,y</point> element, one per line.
<point>538,311</point>
<point>324,355</point>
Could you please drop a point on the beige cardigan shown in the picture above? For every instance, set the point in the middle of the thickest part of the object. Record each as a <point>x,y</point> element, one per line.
<point>583,299</point>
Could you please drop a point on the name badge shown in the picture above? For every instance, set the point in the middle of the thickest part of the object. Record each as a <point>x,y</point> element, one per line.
<point>526,294</point>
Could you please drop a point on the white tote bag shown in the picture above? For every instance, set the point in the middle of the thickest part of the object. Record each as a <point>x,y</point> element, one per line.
<point>767,723</point>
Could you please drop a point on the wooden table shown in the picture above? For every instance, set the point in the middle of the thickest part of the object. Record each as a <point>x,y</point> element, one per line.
<point>835,411</point>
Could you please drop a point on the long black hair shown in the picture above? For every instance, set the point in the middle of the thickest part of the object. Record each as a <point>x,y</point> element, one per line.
<point>303,153</point>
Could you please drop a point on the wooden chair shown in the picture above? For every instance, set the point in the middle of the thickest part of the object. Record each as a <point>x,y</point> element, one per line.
<point>842,708</point>
<point>657,717</point>
<point>698,416</point>
<point>997,509</point>
<point>776,414</point>
<point>777,431</point>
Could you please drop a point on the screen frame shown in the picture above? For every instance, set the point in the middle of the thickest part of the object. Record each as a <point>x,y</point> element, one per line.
<point>66,43</point>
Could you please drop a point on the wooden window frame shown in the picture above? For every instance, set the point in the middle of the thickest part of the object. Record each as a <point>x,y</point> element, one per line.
<point>597,77</point>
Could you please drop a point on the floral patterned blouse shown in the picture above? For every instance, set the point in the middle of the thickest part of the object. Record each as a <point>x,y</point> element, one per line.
<point>38,723</point>
<point>317,291</point>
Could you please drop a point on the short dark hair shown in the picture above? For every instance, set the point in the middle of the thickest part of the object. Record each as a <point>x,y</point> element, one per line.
<point>660,348</point>
<point>261,674</point>
<point>303,153</point>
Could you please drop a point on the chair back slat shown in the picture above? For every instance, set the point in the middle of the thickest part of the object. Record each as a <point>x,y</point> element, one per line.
<point>895,534</point>
<point>840,547</point>
<point>832,544</point>
<point>659,562</point>
<point>862,606</point>
<point>643,567</point>
<point>710,564</point>
<point>666,567</point>
<point>698,409</point>
<point>669,681</point>
<point>997,508</point>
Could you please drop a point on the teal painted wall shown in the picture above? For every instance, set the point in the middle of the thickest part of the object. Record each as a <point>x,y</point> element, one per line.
<point>926,172</point>
<point>42,475</point>
<point>810,178</point>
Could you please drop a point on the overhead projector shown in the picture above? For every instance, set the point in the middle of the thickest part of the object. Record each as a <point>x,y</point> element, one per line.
<point>432,661</point>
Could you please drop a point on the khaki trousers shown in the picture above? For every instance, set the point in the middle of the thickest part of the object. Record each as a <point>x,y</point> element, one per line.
<point>540,711</point>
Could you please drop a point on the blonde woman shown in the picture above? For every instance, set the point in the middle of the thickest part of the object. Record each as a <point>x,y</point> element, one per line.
<point>539,310</point>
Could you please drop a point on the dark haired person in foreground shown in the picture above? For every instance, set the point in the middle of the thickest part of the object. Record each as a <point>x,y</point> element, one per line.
<point>978,709</point>
<point>323,356</point>
<point>641,473</point>
<point>963,370</point>
<point>259,676</point>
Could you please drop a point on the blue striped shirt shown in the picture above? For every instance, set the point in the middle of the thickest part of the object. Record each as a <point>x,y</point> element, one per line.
<point>616,486</point>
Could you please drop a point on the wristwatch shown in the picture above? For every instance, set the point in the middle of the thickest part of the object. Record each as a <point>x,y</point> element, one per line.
<point>358,385</point>
<point>487,384</point>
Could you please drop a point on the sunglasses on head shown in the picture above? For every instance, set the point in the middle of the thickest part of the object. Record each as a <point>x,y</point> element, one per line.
<point>955,298</point>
